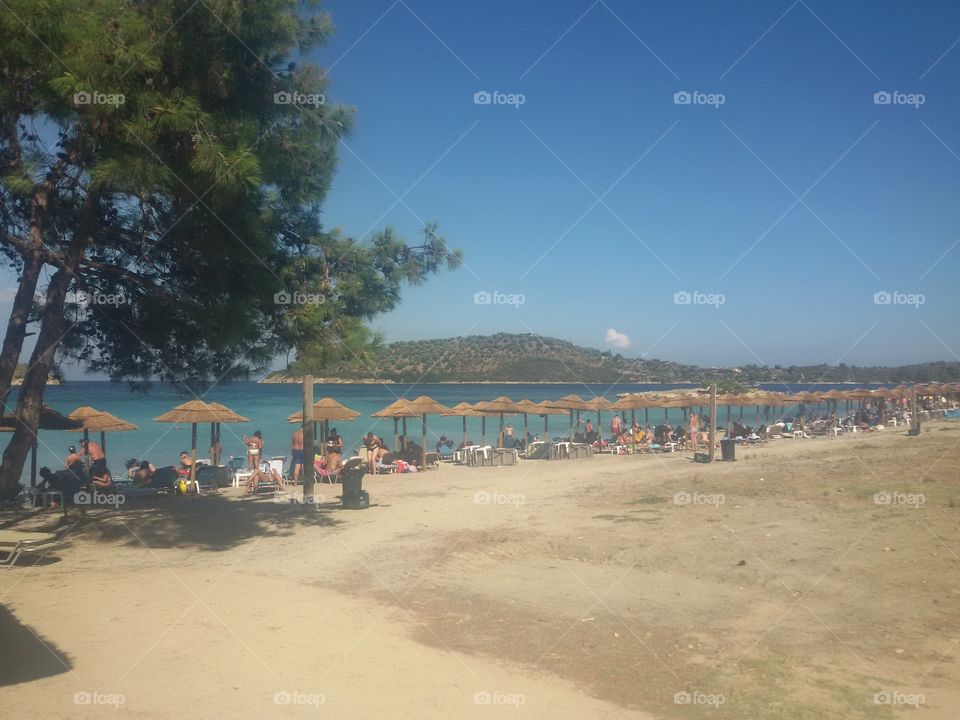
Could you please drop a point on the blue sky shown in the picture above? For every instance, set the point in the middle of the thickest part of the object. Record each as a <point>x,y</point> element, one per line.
<point>600,198</point>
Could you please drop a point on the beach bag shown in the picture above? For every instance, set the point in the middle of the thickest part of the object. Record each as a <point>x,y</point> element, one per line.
<point>402,466</point>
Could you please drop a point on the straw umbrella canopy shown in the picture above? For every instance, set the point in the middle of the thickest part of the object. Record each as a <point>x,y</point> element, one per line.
<point>546,410</point>
<point>325,410</point>
<point>98,421</point>
<point>423,406</point>
<point>464,410</point>
<point>192,412</point>
<point>569,403</point>
<point>227,416</point>
<point>500,406</point>
<point>50,419</point>
<point>396,411</point>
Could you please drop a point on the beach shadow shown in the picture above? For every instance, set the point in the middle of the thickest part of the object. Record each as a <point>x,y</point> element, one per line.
<point>209,522</point>
<point>27,655</point>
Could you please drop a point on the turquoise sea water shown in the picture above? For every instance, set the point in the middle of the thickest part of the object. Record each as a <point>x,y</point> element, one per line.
<point>268,406</point>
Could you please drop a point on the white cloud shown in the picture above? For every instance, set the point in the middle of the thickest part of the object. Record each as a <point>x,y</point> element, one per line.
<point>617,339</point>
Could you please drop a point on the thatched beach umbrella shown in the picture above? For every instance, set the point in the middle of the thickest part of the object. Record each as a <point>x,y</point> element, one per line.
<point>546,410</point>
<point>569,403</point>
<point>50,419</point>
<point>226,416</point>
<point>464,410</point>
<point>396,410</point>
<point>98,421</point>
<point>193,412</point>
<point>423,406</point>
<point>599,403</point>
<point>500,406</point>
<point>325,410</point>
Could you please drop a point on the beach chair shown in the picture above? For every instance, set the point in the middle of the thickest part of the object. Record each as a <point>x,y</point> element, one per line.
<point>14,543</point>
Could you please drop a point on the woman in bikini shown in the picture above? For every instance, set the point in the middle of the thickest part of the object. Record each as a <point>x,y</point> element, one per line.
<point>254,449</point>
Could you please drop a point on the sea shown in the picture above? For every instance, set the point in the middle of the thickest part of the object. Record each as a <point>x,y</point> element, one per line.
<point>269,405</point>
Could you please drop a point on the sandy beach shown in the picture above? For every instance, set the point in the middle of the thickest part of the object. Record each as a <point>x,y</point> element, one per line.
<point>810,578</point>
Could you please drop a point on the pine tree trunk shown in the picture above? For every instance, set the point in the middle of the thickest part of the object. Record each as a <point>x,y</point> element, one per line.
<point>52,329</point>
<point>17,324</point>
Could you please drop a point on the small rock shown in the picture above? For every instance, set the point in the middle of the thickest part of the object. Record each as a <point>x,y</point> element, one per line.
<point>741,563</point>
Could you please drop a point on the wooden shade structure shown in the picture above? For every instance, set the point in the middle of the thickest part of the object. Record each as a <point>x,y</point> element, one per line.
<point>325,410</point>
<point>50,419</point>
<point>227,416</point>
<point>568,403</point>
<point>397,410</point>
<point>500,406</point>
<point>463,410</point>
<point>98,421</point>
<point>423,406</point>
<point>193,412</point>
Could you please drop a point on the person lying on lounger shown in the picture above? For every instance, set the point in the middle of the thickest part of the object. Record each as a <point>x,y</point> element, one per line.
<point>263,474</point>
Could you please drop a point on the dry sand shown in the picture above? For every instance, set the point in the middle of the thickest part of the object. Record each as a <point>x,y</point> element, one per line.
<point>617,587</point>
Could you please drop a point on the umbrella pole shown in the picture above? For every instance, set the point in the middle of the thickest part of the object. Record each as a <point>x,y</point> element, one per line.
<point>546,436</point>
<point>33,465</point>
<point>396,440</point>
<point>525,434</point>
<point>571,426</point>
<point>213,444</point>
<point>500,436</point>
<point>103,441</point>
<point>309,440</point>
<point>423,447</point>
<point>193,456</point>
<point>464,430</point>
<point>403,444</point>
<point>646,417</point>
<point>483,430</point>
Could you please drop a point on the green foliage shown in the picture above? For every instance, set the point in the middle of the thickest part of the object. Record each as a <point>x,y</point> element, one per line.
<point>192,191</point>
<point>533,358</point>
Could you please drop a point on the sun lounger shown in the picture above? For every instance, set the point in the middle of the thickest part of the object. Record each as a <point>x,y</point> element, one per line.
<point>14,543</point>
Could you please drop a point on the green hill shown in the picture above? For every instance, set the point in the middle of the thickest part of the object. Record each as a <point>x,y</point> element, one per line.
<point>532,358</point>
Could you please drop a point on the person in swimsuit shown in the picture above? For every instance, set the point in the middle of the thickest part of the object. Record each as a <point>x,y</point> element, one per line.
<point>254,449</point>
<point>693,429</point>
<point>74,461</point>
<point>296,453</point>
<point>373,446</point>
<point>98,460</point>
